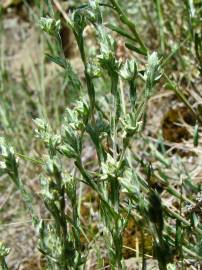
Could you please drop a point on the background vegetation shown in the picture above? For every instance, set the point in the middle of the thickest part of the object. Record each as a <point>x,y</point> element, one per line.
<point>100,122</point>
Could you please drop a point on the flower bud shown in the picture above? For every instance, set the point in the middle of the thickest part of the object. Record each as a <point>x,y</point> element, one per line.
<point>129,70</point>
<point>50,25</point>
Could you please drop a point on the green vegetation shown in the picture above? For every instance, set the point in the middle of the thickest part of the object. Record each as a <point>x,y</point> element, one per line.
<point>133,176</point>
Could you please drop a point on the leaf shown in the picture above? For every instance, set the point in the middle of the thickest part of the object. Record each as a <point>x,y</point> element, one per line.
<point>178,235</point>
<point>50,8</point>
<point>170,86</point>
<point>156,210</point>
<point>57,60</point>
<point>120,31</point>
<point>71,77</point>
<point>135,49</point>
<point>196,134</point>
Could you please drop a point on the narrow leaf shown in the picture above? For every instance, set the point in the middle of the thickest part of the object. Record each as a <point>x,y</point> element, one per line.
<point>135,49</point>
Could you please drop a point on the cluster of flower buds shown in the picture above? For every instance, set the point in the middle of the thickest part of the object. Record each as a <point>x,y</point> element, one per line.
<point>153,73</point>
<point>130,125</point>
<point>128,70</point>
<point>9,162</point>
<point>111,168</point>
<point>50,25</point>
<point>4,251</point>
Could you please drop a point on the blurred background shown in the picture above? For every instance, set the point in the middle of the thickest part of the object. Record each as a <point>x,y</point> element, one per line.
<point>31,86</point>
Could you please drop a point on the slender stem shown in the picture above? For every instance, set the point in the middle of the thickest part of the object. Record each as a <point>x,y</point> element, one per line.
<point>168,58</point>
<point>37,161</point>
<point>62,11</point>
<point>64,229</point>
<point>180,218</point>
<point>3,264</point>
<point>122,97</point>
<point>168,210</point>
<point>79,39</point>
<point>161,24</point>
<point>114,118</point>
<point>124,18</point>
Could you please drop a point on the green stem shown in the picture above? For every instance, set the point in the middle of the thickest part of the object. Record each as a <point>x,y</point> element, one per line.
<point>124,18</point>
<point>181,219</point>
<point>166,209</point>
<point>89,81</point>
<point>114,112</point>
<point>170,229</point>
<point>37,161</point>
<point>161,24</point>
<point>168,58</point>
<point>3,264</point>
<point>85,175</point>
<point>64,229</point>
